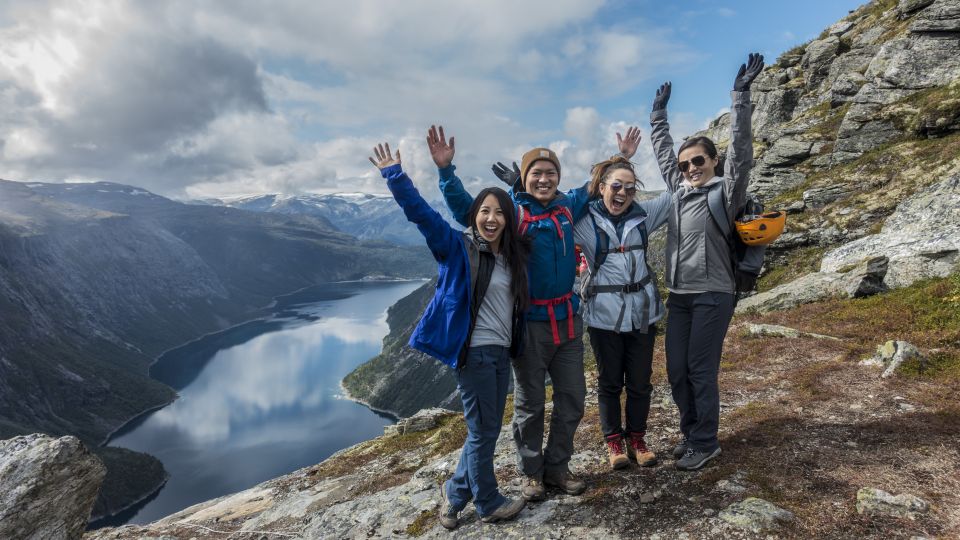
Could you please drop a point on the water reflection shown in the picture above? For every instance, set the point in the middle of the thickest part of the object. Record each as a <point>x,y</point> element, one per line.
<point>263,404</point>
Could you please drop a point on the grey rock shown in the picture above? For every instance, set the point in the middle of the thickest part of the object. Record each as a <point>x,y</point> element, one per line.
<point>844,87</point>
<point>817,58</point>
<point>772,108</point>
<point>755,515</point>
<point>786,151</point>
<point>47,487</point>
<point>768,182</point>
<point>863,279</point>
<point>774,330</point>
<point>906,8</point>
<point>915,62</point>
<point>941,17</point>
<point>424,420</point>
<point>892,355</point>
<point>839,28</point>
<point>877,502</point>
<point>921,238</point>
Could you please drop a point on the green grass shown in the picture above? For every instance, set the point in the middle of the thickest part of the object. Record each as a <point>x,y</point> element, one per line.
<point>800,261</point>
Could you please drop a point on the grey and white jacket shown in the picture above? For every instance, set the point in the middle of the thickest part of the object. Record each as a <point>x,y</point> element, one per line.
<point>698,253</point>
<point>609,303</point>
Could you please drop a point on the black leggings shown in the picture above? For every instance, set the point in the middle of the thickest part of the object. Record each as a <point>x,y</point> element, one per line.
<point>696,326</point>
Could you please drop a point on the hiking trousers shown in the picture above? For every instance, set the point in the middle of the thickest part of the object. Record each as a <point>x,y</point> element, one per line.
<point>483,382</point>
<point>564,364</point>
<point>696,326</point>
<point>624,360</point>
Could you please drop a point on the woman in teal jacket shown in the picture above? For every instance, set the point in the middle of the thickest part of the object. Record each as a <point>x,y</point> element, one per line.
<point>472,324</point>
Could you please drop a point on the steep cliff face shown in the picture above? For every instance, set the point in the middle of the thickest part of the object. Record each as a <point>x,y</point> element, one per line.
<point>401,380</point>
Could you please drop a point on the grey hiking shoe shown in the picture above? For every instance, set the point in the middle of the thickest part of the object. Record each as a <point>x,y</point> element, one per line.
<point>448,516</point>
<point>680,449</point>
<point>694,459</point>
<point>566,481</point>
<point>508,510</point>
<point>532,489</point>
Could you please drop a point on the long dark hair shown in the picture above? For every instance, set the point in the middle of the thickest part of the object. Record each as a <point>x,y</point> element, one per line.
<point>514,248</point>
<point>706,144</point>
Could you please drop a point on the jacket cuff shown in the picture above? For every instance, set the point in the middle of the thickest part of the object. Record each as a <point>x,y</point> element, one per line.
<point>658,115</point>
<point>740,98</point>
<point>392,171</point>
<point>447,172</point>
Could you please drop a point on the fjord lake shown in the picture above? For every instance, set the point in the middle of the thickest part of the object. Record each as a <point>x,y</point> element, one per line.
<point>263,398</point>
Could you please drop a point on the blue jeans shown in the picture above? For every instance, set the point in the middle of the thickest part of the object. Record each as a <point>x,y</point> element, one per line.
<point>482,382</point>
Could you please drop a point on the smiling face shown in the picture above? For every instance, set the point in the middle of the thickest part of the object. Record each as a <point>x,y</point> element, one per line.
<point>617,191</point>
<point>542,180</point>
<point>697,175</point>
<point>490,221</point>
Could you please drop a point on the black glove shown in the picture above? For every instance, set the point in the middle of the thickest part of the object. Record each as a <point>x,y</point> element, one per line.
<point>663,96</point>
<point>508,176</point>
<point>748,72</point>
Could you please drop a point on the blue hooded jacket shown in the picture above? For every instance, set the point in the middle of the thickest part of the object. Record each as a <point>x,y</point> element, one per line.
<point>553,261</point>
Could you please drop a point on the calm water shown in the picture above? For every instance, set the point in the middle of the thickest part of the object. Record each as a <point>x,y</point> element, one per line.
<point>263,399</point>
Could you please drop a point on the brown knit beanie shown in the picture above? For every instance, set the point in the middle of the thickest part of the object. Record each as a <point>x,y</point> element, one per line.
<point>537,154</point>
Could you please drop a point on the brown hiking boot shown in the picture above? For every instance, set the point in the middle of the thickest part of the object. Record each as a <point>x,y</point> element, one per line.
<point>449,517</point>
<point>532,489</point>
<point>508,510</point>
<point>565,481</point>
<point>637,450</point>
<point>618,458</point>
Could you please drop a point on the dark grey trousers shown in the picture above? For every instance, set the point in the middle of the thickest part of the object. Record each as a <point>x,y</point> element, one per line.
<point>564,364</point>
<point>696,326</point>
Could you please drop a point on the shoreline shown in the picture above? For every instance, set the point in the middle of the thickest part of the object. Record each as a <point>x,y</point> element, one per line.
<point>346,393</point>
<point>151,493</point>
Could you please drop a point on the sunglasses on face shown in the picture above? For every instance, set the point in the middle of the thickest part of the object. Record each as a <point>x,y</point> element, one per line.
<point>617,186</point>
<point>697,161</point>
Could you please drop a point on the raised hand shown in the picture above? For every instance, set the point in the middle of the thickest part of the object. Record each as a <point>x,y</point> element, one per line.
<point>628,145</point>
<point>440,150</point>
<point>663,96</point>
<point>508,176</point>
<point>748,72</point>
<point>384,159</point>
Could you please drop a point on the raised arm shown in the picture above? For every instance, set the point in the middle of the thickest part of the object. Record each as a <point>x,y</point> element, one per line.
<point>662,141</point>
<point>454,194</point>
<point>441,238</point>
<point>740,151</point>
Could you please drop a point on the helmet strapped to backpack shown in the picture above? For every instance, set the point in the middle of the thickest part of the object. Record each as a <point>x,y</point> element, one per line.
<point>760,230</point>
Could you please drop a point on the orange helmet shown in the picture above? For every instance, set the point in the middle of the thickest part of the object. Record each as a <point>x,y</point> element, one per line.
<point>761,230</point>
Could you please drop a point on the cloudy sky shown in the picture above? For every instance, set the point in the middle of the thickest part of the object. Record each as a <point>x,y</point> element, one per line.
<point>195,99</point>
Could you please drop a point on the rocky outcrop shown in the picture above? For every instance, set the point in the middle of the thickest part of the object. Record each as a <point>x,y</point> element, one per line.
<point>424,420</point>
<point>755,515</point>
<point>876,502</point>
<point>863,279</point>
<point>921,239</point>
<point>47,487</point>
<point>892,354</point>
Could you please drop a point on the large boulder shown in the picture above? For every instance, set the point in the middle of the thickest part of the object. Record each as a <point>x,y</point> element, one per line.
<point>47,487</point>
<point>921,239</point>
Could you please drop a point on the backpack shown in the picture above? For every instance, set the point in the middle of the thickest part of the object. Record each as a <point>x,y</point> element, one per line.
<point>601,250</point>
<point>525,218</point>
<point>747,260</point>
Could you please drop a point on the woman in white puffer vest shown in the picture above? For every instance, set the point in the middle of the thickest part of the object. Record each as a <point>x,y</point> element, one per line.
<point>621,303</point>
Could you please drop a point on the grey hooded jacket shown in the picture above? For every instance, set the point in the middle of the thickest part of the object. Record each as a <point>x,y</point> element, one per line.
<point>616,310</point>
<point>698,253</point>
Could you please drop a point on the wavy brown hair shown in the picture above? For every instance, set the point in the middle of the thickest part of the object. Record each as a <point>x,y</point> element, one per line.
<point>601,171</point>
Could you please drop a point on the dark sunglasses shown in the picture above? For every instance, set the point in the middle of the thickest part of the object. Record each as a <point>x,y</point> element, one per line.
<point>616,186</point>
<point>697,161</point>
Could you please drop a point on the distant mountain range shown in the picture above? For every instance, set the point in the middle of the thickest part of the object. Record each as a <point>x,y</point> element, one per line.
<point>364,215</point>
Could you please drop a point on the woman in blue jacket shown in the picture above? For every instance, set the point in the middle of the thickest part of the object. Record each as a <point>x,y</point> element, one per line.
<point>474,324</point>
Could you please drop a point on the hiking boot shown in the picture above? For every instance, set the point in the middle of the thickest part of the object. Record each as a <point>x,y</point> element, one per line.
<point>637,450</point>
<point>694,459</point>
<point>680,449</point>
<point>532,489</point>
<point>448,516</point>
<point>618,459</point>
<point>508,510</point>
<point>565,481</point>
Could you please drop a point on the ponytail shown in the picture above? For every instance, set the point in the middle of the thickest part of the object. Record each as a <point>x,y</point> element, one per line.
<point>601,171</point>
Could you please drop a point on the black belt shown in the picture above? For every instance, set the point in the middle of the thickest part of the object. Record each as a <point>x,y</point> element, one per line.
<point>629,288</point>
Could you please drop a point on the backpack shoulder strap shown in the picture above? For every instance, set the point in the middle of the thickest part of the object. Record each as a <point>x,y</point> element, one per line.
<point>718,208</point>
<point>602,246</point>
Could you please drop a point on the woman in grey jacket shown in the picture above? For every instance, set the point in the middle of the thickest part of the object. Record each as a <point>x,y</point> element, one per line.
<point>621,303</point>
<point>699,270</point>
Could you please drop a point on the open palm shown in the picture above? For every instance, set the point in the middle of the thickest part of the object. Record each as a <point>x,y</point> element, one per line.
<point>383,157</point>
<point>440,150</point>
